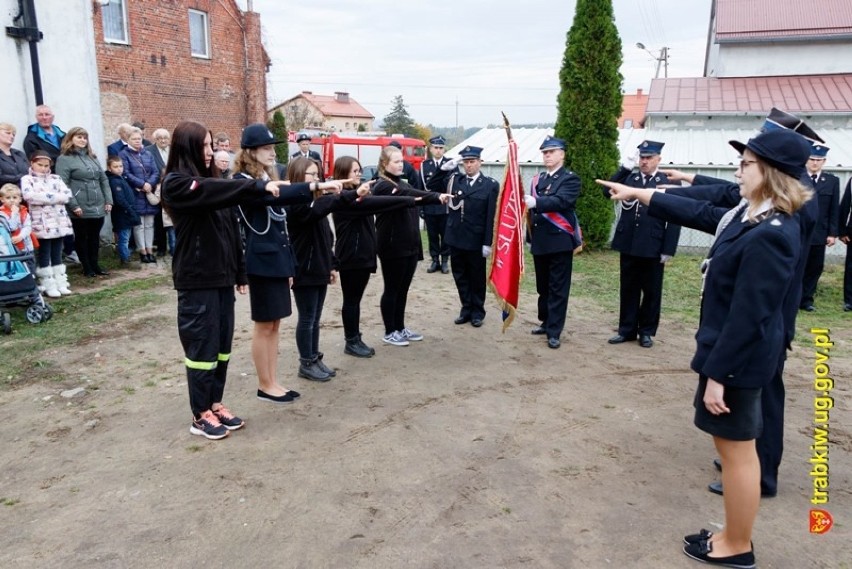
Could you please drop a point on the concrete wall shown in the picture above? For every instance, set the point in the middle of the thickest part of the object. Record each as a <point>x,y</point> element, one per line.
<point>68,72</point>
<point>779,58</point>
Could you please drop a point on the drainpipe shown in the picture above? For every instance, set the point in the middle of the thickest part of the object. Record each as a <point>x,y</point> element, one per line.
<point>29,31</point>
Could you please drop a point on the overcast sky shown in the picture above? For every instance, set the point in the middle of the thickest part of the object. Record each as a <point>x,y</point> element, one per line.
<point>461,62</point>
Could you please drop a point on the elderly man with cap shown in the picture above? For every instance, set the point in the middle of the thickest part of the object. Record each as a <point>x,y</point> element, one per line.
<point>470,230</point>
<point>646,243</point>
<point>827,193</point>
<point>553,233</point>
<point>434,179</point>
<point>303,139</point>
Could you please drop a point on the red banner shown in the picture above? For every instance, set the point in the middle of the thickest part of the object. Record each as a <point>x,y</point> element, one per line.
<point>507,265</point>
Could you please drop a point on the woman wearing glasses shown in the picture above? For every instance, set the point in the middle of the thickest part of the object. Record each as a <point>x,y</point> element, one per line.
<point>747,275</point>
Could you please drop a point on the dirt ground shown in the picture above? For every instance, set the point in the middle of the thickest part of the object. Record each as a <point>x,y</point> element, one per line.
<point>471,449</point>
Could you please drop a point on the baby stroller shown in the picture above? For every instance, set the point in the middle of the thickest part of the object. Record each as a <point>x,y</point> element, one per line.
<point>17,284</point>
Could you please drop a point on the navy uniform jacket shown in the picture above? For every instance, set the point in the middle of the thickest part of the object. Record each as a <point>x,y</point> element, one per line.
<point>827,192</point>
<point>741,334</point>
<point>557,193</point>
<point>433,179</point>
<point>844,222</point>
<point>312,154</point>
<point>711,201</point>
<point>472,225</point>
<point>637,233</point>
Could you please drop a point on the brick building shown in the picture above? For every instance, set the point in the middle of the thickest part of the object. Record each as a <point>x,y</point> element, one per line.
<point>163,61</point>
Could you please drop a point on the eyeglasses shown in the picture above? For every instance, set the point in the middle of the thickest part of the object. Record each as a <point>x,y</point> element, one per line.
<point>744,163</point>
<point>314,174</point>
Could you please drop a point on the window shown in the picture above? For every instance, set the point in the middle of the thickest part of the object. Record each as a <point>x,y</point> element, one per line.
<point>199,34</point>
<point>115,22</point>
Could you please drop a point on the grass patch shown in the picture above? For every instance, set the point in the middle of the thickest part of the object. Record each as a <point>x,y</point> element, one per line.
<point>9,501</point>
<point>596,278</point>
<point>77,318</point>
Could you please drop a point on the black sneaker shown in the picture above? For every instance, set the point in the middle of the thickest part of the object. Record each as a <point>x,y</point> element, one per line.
<point>228,419</point>
<point>701,552</point>
<point>312,372</point>
<point>208,426</point>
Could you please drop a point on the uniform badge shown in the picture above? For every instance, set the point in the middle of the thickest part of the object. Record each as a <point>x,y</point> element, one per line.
<point>775,221</point>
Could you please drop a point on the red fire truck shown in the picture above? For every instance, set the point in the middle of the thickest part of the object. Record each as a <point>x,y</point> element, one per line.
<point>365,148</point>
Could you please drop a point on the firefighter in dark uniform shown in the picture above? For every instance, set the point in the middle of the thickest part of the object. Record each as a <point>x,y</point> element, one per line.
<point>304,141</point>
<point>646,243</point>
<point>845,230</point>
<point>470,230</point>
<point>827,192</point>
<point>435,216</point>
<point>553,233</point>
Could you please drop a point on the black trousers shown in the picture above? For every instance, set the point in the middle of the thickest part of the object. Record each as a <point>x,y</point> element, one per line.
<point>813,271</point>
<point>469,274</point>
<point>847,276</point>
<point>206,330</point>
<point>353,283</point>
<point>641,295</point>
<point>87,241</point>
<point>770,444</point>
<point>553,285</point>
<point>160,234</point>
<point>436,227</point>
<point>309,304</point>
<point>397,274</point>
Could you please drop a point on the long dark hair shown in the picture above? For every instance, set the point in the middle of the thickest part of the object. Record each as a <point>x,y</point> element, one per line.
<point>67,145</point>
<point>186,154</point>
<point>342,167</point>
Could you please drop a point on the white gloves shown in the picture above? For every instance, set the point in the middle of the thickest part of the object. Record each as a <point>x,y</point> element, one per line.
<point>629,162</point>
<point>486,250</point>
<point>665,259</point>
<point>452,164</point>
<point>530,201</point>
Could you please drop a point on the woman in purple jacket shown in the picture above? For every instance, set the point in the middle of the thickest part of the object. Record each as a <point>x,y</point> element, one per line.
<point>142,173</point>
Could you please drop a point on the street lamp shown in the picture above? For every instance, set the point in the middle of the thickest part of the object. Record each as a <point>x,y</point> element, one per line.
<point>663,57</point>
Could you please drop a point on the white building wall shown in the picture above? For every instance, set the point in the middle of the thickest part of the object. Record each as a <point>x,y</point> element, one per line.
<point>69,72</point>
<point>779,58</point>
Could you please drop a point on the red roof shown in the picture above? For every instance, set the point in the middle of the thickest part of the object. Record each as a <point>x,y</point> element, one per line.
<point>740,95</point>
<point>338,105</point>
<point>633,108</point>
<point>738,20</point>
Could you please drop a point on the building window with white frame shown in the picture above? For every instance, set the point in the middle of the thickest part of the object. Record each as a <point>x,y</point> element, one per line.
<point>115,21</point>
<point>199,34</point>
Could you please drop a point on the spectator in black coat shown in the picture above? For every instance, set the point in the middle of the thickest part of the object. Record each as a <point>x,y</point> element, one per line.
<point>13,163</point>
<point>44,135</point>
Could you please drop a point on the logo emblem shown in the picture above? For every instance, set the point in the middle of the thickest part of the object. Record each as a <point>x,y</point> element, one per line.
<point>820,521</point>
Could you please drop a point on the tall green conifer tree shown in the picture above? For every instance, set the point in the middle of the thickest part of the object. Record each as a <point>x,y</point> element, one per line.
<point>589,104</point>
<point>278,126</point>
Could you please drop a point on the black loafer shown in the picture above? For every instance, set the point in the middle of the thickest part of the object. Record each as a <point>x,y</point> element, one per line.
<point>462,320</point>
<point>716,488</point>
<point>808,308</point>
<point>433,267</point>
<point>718,464</point>
<point>553,343</point>
<point>476,322</point>
<point>538,331</point>
<point>701,552</point>
<point>280,399</point>
<point>847,308</point>
<point>645,341</point>
<point>619,339</point>
<point>702,535</point>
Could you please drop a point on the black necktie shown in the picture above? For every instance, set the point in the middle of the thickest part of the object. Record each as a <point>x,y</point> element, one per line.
<point>814,178</point>
<point>469,181</point>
